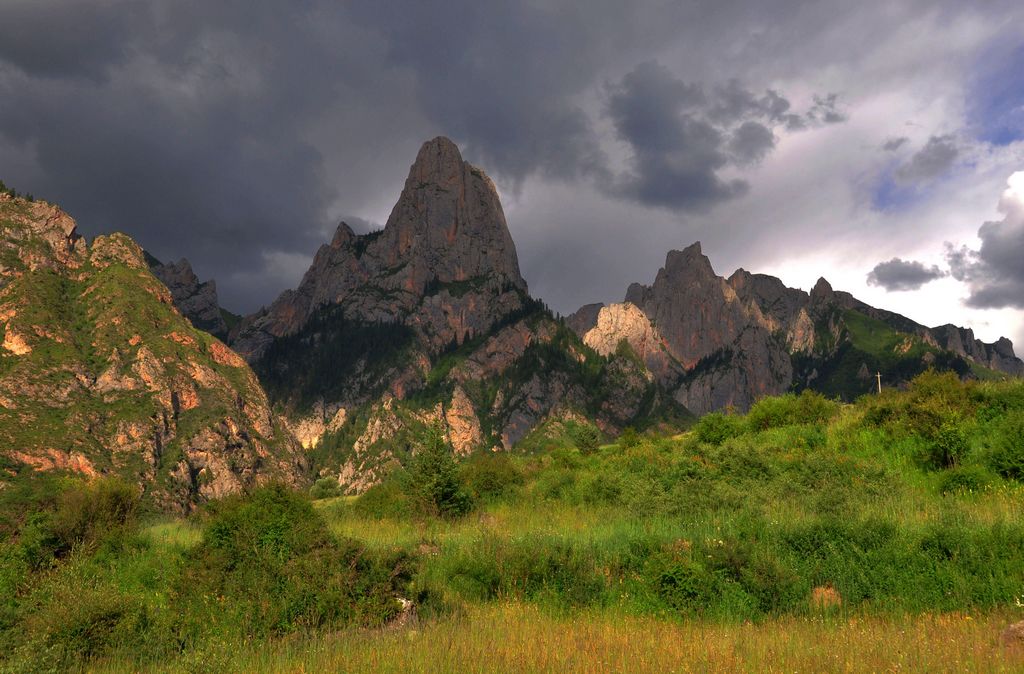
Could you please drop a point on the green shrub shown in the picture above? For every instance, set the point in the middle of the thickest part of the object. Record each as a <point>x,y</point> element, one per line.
<point>79,625</point>
<point>267,564</point>
<point>325,487</point>
<point>84,515</point>
<point>716,427</point>
<point>388,498</point>
<point>586,437</point>
<point>434,478</point>
<point>965,479</point>
<point>949,445</point>
<point>809,407</point>
<point>1006,454</point>
<point>683,583</point>
<point>629,438</point>
<point>490,475</point>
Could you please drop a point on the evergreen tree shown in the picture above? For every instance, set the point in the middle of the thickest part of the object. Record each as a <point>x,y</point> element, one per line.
<point>434,477</point>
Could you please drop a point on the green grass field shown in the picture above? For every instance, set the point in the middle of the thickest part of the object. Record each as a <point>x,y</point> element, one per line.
<point>804,536</point>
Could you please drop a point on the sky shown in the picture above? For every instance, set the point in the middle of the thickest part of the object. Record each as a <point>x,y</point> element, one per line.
<point>878,144</point>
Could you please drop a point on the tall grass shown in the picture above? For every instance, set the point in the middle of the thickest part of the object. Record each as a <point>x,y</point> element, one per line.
<point>523,638</point>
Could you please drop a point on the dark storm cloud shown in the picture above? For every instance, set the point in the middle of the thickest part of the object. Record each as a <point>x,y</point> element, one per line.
<point>994,273</point>
<point>897,274</point>
<point>826,110</point>
<point>676,153</point>
<point>751,142</point>
<point>68,39</point>
<point>501,77</point>
<point>934,159</point>
<point>683,137</point>
<point>235,132</point>
<point>182,123</point>
<point>894,144</point>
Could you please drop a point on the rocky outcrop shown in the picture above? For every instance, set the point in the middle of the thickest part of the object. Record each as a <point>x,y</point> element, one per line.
<point>444,264</point>
<point>196,301</point>
<point>625,322</point>
<point>696,311</point>
<point>102,375</point>
<point>37,235</point>
<point>782,309</point>
<point>715,342</point>
<point>753,366</point>
<point>998,355</point>
<point>463,423</point>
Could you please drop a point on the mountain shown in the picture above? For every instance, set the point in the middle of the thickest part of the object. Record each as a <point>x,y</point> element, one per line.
<point>429,321</point>
<point>100,374</point>
<point>718,343</point>
<point>197,301</point>
<point>446,238</point>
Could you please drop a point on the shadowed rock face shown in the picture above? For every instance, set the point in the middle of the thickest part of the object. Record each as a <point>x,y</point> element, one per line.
<point>101,375</point>
<point>446,240</point>
<point>196,301</point>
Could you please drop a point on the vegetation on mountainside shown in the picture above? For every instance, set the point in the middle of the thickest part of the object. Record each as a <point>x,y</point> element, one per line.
<point>328,354</point>
<point>805,516</point>
<point>847,368</point>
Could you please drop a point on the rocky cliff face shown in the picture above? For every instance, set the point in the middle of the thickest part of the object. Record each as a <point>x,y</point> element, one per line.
<point>100,374</point>
<point>195,300</point>
<point>720,343</point>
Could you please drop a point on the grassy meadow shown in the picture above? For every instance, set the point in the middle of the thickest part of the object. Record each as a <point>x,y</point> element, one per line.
<point>807,535</point>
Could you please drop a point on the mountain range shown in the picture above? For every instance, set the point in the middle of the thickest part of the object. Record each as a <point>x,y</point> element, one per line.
<point>116,362</point>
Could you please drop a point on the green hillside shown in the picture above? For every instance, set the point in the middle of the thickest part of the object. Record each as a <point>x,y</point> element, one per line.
<point>804,512</point>
<point>847,369</point>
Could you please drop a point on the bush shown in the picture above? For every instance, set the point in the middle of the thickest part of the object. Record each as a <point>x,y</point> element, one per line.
<point>586,437</point>
<point>79,625</point>
<point>83,516</point>
<point>629,438</point>
<point>267,564</point>
<point>684,584</point>
<point>1006,455</point>
<point>948,446</point>
<point>434,478</point>
<point>490,475</point>
<point>325,487</point>
<point>809,407</point>
<point>389,498</point>
<point>965,479</point>
<point>715,428</point>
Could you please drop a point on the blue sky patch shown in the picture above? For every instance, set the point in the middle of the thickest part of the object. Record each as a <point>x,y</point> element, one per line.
<point>996,96</point>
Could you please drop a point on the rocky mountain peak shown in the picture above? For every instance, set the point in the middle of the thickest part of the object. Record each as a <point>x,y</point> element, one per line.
<point>448,224</point>
<point>99,374</point>
<point>37,234</point>
<point>690,261</point>
<point>446,238</point>
<point>197,301</point>
<point>438,161</point>
<point>822,292</point>
<point>343,236</point>
<point>695,310</point>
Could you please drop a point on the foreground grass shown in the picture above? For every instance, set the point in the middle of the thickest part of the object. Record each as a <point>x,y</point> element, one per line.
<point>515,637</point>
